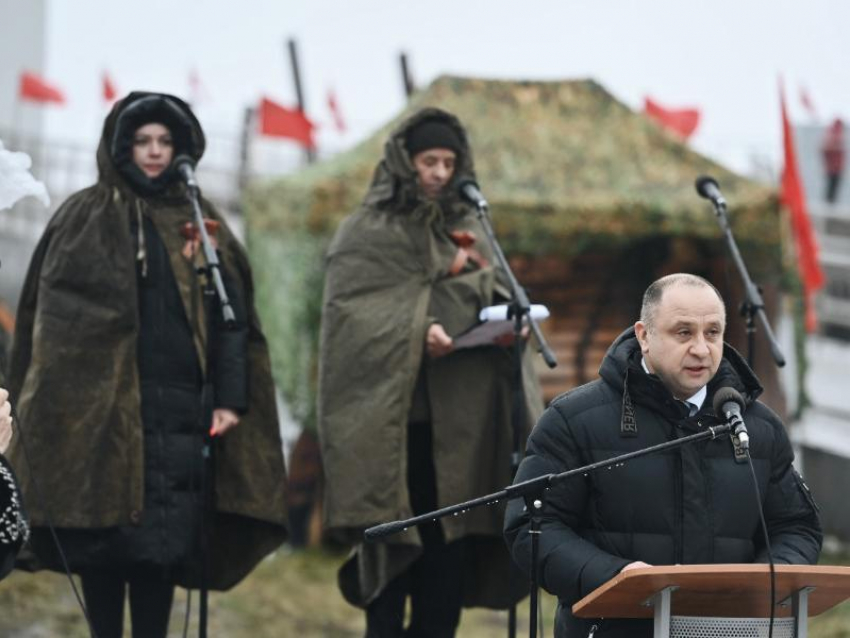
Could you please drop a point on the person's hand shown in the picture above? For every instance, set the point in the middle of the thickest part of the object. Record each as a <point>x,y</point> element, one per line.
<point>5,421</point>
<point>223,420</point>
<point>635,565</point>
<point>507,339</point>
<point>437,342</point>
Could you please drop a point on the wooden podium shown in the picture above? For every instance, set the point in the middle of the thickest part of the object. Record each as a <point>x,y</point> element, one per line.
<point>719,600</point>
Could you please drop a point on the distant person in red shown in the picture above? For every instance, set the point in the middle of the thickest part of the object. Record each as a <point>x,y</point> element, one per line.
<point>833,153</point>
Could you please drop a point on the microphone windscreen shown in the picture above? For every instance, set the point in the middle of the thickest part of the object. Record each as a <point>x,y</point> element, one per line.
<point>184,160</point>
<point>702,184</point>
<point>725,395</point>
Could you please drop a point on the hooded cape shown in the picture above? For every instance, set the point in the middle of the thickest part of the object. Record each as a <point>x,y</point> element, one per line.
<point>389,277</point>
<point>74,371</point>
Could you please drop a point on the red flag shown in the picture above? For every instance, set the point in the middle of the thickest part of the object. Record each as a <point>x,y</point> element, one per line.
<point>793,196</point>
<point>339,122</point>
<point>279,121</point>
<point>197,90</point>
<point>35,89</point>
<point>109,91</point>
<point>683,122</point>
<point>806,101</point>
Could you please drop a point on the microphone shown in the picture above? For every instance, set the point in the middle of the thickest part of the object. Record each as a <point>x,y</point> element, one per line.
<point>728,404</point>
<point>470,192</point>
<point>707,187</point>
<point>385,529</point>
<point>185,167</point>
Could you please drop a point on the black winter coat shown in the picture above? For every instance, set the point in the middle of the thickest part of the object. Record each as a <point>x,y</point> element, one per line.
<point>691,505</point>
<point>173,414</point>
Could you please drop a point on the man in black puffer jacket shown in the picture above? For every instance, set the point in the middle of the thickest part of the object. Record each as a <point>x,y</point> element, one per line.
<point>690,505</point>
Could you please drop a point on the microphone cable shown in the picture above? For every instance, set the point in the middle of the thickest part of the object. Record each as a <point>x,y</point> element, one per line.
<point>767,546</point>
<point>16,420</point>
<point>187,614</point>
<point>728,404</point>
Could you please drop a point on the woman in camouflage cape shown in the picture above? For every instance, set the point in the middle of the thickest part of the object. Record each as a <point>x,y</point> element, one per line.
<point>396,266</point>
<point>93,433</point>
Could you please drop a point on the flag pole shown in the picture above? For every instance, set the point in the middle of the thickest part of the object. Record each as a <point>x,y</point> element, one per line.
<point>310,153</point>
<point>249,116</point>
<point>406,77</point>
<point>16,123</point>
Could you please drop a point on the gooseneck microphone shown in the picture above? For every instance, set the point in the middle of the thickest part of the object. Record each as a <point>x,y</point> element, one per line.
<point>185,167</point>
<point>708,188</point>
<point>728,404</point>
<point>753,306</point>
<point>470,192</point>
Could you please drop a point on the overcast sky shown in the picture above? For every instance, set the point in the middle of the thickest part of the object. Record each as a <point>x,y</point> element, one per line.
<point>723,56</point>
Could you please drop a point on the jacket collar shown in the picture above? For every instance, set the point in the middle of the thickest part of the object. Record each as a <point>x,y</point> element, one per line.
<point>621,369</point>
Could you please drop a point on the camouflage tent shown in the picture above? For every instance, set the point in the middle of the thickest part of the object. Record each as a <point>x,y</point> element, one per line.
<point>567,168</point>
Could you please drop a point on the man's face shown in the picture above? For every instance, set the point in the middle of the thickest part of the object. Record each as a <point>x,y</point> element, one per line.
<point>683,345</point>
<point>434,170</point>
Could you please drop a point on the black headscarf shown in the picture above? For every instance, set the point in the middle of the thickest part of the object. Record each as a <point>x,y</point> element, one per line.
<point>432,133</point>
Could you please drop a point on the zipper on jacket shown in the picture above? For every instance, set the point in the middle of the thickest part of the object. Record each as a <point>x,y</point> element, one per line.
<point>680,506</point>
<point>592,631</point>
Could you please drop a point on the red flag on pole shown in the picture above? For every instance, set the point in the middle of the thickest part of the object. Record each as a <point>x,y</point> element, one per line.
<point>109,91</point>
<point>279,121</point>
<point>197,89</point>
<point>793,196</point>
<point>35,89</point>
<point>808,104</point>
<point>683,122</point>
<point>339,122</point>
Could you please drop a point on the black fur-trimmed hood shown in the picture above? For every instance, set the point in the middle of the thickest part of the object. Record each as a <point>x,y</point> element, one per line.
<point>115,152</point>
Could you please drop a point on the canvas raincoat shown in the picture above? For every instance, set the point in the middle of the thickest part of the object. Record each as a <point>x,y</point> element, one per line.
<point>395,266</point>
<point>75,377</point>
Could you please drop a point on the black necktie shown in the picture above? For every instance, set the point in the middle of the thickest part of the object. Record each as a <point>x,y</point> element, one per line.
<point>692,408</point>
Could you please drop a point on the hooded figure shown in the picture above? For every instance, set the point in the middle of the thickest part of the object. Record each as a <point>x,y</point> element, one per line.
<point>408,424</point>
<point>113,353</point>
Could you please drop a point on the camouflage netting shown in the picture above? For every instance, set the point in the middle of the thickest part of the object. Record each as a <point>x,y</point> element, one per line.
<point>566,168</point>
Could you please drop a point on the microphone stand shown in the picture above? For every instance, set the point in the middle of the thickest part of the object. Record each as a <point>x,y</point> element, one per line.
<point>520,308</point>
<point>213,289</point>
<point>533,492</point>
<point>753,305</point>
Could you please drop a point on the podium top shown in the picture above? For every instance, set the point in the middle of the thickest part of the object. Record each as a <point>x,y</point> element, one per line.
<point>732,591</point>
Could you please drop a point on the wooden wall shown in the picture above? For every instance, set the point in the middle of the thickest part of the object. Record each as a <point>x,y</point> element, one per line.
<point>594,296</point>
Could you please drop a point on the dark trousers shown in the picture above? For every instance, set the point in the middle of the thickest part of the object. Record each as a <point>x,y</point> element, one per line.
<point>150,601</point>
<point>833,180</point>
<point>434,581</point>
